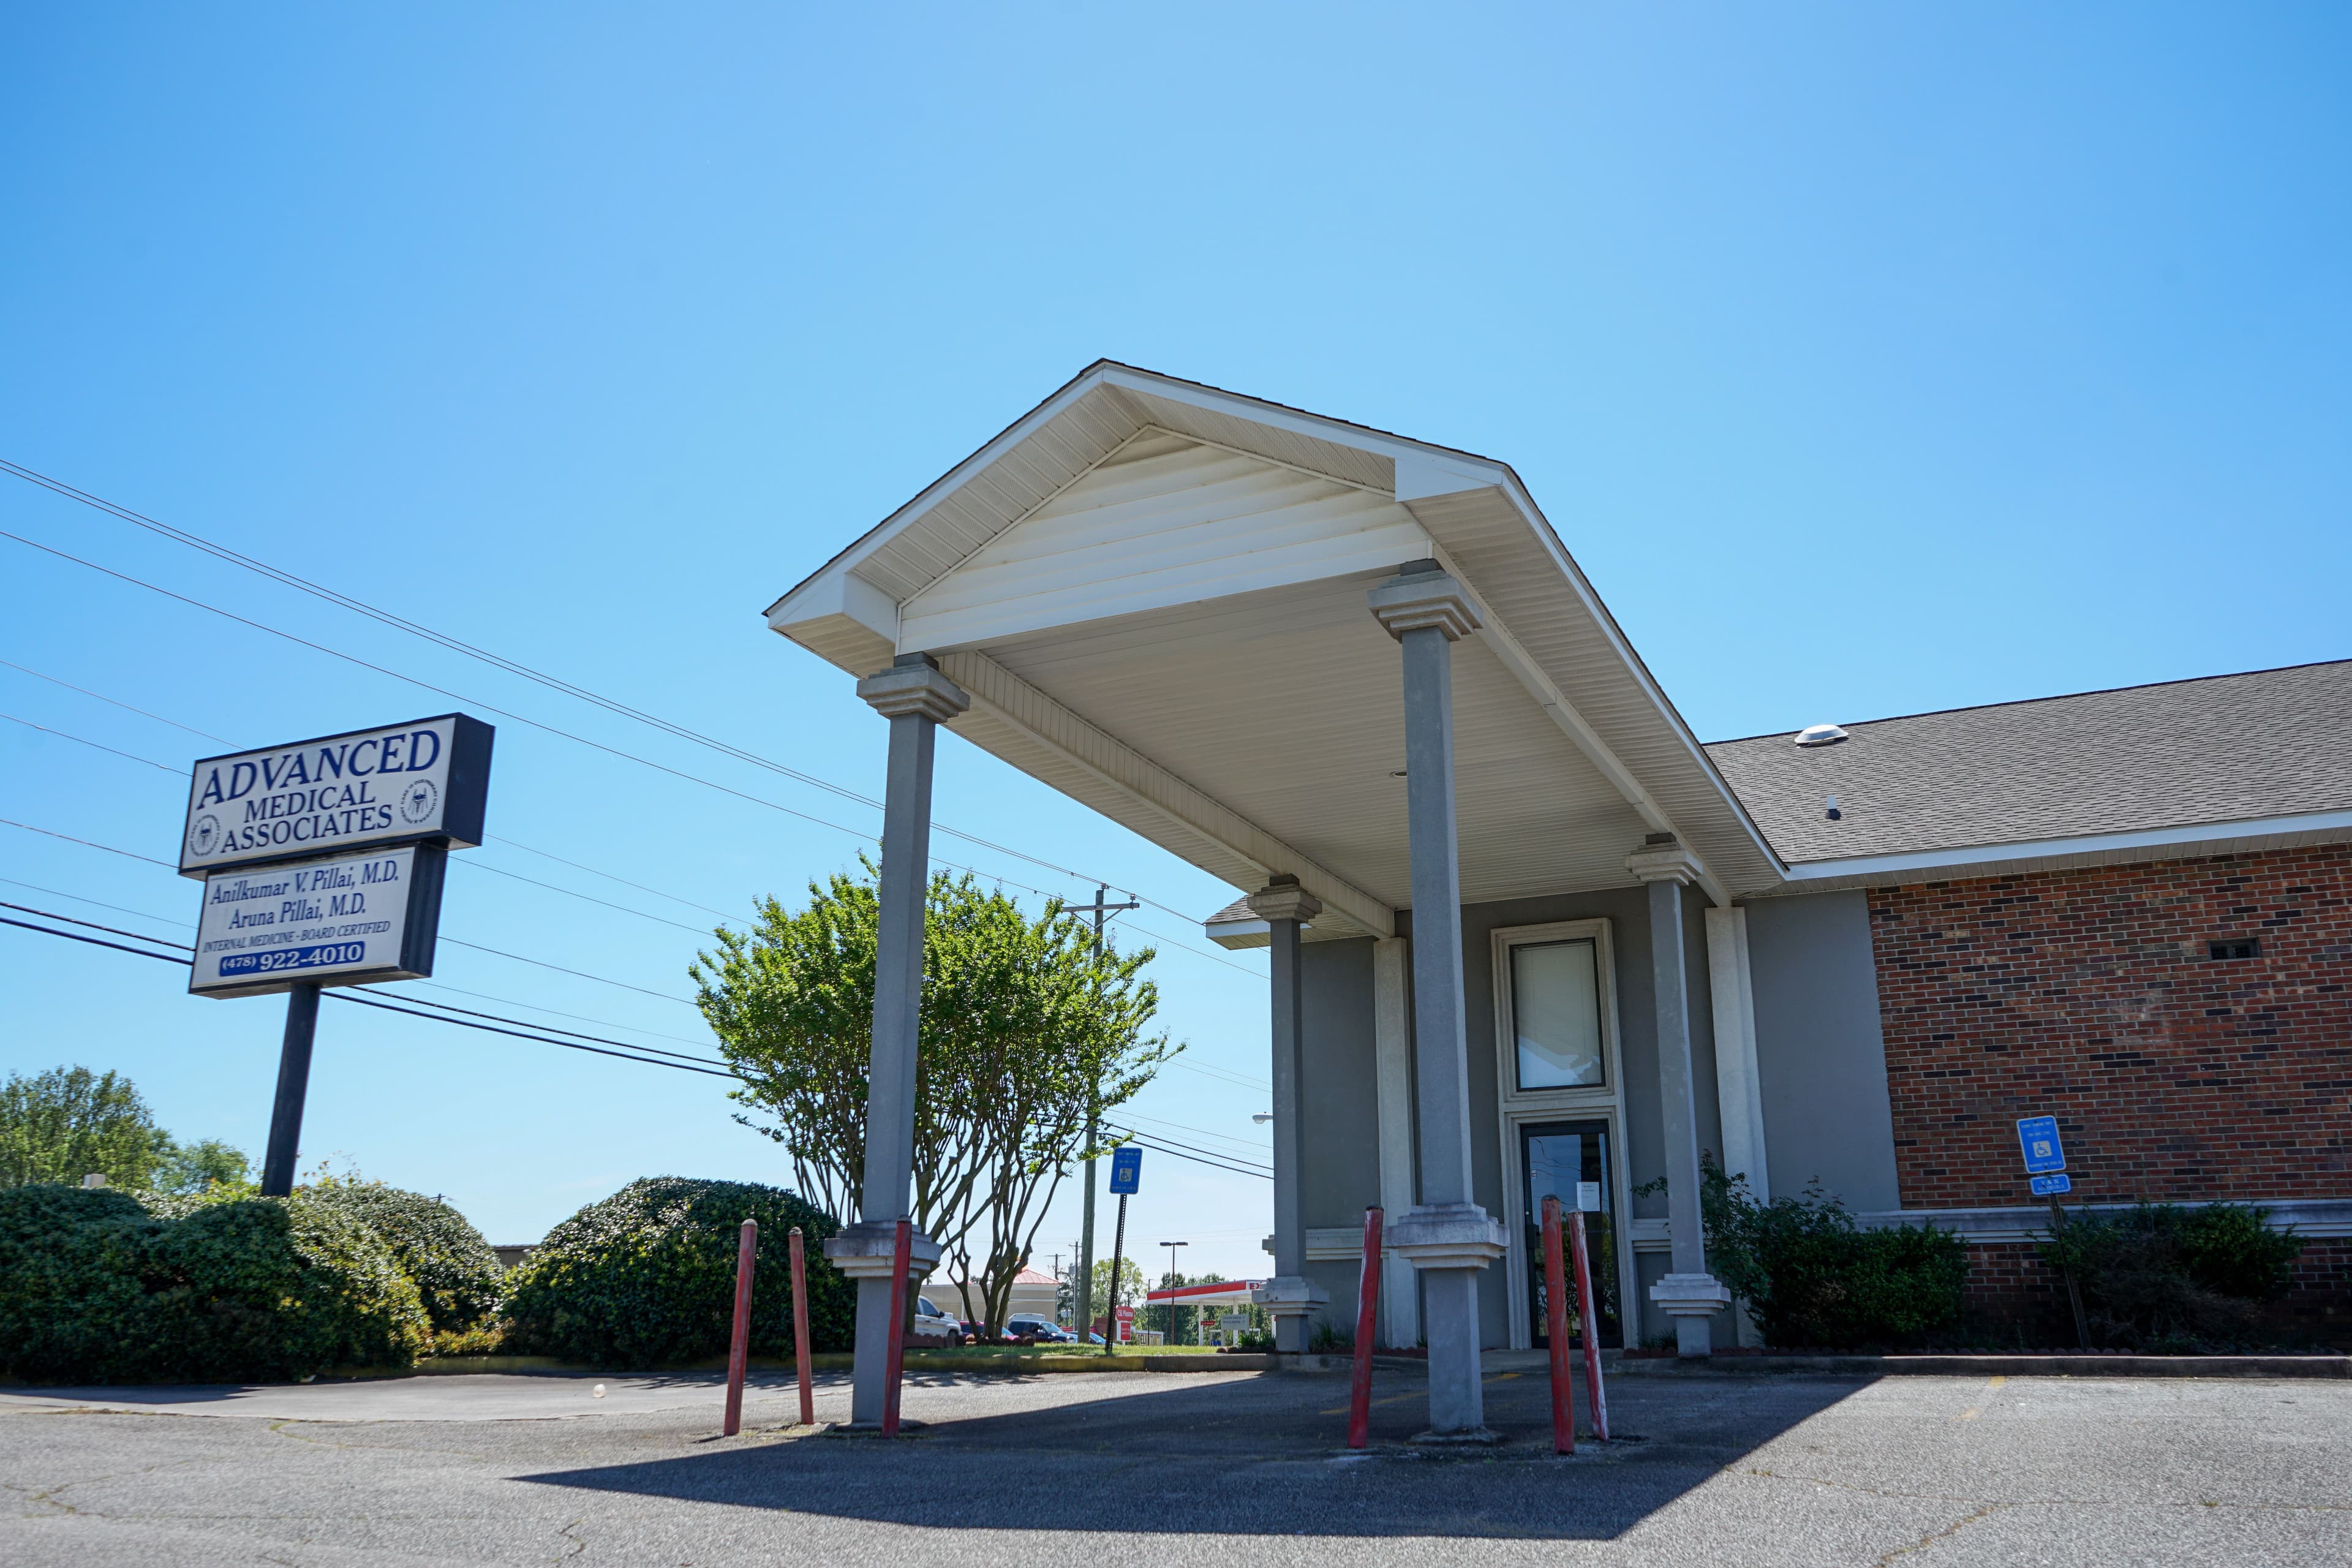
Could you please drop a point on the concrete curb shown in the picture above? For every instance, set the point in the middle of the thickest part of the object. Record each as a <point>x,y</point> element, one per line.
<point>2295,1366</point>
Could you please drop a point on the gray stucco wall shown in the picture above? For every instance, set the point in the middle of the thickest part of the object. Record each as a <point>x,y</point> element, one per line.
<point>1820,1059</point>
<point>1341,1151</point>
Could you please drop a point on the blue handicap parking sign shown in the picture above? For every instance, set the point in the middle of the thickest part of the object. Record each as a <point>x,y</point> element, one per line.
<point>2045,1185</point>
<point>2038,1137</point>
<point>1125,1170</point>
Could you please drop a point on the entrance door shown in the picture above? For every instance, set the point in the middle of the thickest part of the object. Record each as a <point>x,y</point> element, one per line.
<point>1560,1157</point>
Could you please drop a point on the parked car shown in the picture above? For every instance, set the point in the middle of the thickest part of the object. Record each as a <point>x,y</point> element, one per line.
<point>934,1328</point>
<point>1039,1330</point>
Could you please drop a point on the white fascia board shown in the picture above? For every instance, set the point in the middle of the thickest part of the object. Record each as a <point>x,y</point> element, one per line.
<point>1980,859</point>
<point>1298,422</point>
<point>1556,707</point>
<point>1238,934</point>
<point>1551,546</point>
<point>947,484</point>
<point>836,591</point>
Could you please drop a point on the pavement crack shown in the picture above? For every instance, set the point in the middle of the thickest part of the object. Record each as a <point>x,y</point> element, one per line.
<point>570,1534</point>
<point>1945,1533</point>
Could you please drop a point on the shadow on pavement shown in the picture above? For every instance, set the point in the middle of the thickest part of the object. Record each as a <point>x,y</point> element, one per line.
<point>1257,1457</point>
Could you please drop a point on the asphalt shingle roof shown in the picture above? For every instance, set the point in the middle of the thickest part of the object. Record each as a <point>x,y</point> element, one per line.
<point>2274,742</point>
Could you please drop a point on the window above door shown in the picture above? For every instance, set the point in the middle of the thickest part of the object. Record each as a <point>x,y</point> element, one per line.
<point>1555,1008</point>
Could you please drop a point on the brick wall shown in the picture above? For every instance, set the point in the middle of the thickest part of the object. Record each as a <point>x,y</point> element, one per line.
<point>2013,1296</point>
<point>2089,994</point>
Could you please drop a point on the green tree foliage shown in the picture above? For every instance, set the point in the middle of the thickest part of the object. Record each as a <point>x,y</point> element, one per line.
<point>1811,1277</point>
<point>457,1276</point>
<point>206,1165</point>
<point>95,1287</point>
<point>70,1122</point>
<point>646,1278</point>
<point>1131,1289</point>
<point>2163,1277</point>
<point>1028,1034</point>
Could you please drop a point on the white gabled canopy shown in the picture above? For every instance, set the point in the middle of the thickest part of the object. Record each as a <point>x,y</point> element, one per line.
<point>1154,592</point>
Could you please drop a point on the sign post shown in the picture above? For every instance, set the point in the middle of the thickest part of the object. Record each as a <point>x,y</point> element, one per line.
<point>1125,1180</point>
<point>323,863</point>
<point>2045,1168</point>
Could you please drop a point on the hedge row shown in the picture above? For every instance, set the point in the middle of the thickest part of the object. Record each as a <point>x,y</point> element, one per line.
<point>94,1287</point>
<point>98,1286</point>
<point>648,1277</point>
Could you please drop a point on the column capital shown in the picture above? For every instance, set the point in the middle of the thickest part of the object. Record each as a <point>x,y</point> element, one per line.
<point>1284,899</point>
<point>1663,860</point>
<point>914,687</point>
<point>1412,600</point>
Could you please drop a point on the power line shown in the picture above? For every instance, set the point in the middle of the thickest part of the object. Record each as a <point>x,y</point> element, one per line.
<point>1235,1160</point>
<point>1251,1144</point>
<point>77,741</point>
<point>524,1032</point>
<point>475,864</point>
<point>429,984</point>
<point>499,661</point>
<point>86,691</point>
<point>564,734</point>
<point>497,953</point>
<point>87,844</point>
<point>1157,1149</point>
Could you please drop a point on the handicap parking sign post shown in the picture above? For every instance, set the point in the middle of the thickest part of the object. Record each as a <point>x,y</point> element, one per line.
<point>1126,1179</point>
<point>2038,1137</point>
<point>2045,1164</point>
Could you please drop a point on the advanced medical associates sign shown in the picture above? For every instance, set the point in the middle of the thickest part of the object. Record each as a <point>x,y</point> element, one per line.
<point>322,860</point>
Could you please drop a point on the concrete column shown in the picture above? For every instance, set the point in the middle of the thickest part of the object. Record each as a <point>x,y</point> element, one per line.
<point>1289,1295</point>
<point>1738,1088</point>
<point>1399,1327</point>
<point>915,696</point>
<point>1688,1294</point>
<point>1448,1236</point>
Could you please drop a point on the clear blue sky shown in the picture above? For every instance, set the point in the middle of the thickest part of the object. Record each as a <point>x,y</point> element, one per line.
<point>1871,359</point>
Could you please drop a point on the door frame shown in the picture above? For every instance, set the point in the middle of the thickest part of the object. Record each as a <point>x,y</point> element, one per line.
<point>1516,1108</point>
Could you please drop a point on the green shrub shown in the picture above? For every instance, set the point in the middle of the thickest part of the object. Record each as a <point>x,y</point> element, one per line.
<point>2159,1277</point>
<point>1811,1277</point>
<point>94,1287</point>
<point>648,1277</point>
<point>457,1274</point>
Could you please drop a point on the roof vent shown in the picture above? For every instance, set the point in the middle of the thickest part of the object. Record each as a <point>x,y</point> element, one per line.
<point>1820,735</point>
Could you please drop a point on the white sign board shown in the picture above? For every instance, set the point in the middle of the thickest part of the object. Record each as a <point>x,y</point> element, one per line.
<point>350,919</point>
<point>422,782</point>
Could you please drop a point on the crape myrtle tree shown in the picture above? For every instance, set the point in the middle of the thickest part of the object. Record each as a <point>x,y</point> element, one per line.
<point>1028,1034</point>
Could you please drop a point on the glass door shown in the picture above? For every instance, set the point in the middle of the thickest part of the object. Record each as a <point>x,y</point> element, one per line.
<point>1570,1161</point>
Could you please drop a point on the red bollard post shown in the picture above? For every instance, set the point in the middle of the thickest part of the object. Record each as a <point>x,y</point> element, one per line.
<point>747,1255</point>
<point>1368,1302</point>
<point>901,1261</point>
<point>800,1330</point>
<point>1563,1411</point>
<point>1593,1389</point>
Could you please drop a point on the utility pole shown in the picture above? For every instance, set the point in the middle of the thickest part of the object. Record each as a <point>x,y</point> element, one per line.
<point>1172,1280</point>
<point>1082,1296</point>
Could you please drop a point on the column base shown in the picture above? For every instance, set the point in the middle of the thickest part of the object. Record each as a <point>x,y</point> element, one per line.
<point>1290,1299</point>
<point>1476,1438</point>
<point>866,1250</point>
<point>1690,1300</point>
<point>1447,1235</point>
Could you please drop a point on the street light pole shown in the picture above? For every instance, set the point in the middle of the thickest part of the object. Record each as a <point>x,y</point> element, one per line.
<point>1171,1246</point>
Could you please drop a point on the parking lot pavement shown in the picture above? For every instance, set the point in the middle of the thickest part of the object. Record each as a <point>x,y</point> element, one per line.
<point>1089,1469</point>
